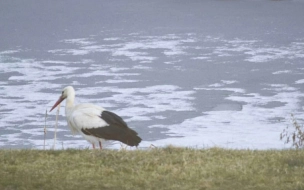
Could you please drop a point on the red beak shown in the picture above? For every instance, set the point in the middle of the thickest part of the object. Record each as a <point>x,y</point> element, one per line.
<point>58,102</point>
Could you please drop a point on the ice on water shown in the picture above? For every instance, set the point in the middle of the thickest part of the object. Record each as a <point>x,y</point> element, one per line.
<point>184,88</point>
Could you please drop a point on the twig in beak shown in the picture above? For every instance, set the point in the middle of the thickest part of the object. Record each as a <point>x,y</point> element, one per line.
<point>44,130</point>
<point>56,125</point>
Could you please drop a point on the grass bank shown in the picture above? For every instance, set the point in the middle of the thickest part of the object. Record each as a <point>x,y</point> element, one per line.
<point>165,168</point>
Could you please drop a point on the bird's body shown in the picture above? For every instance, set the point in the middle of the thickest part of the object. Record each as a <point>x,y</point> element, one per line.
<point>95,123</point>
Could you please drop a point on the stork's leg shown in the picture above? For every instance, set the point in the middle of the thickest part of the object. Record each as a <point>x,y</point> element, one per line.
<point>93,145</point>
<point>100,146</point>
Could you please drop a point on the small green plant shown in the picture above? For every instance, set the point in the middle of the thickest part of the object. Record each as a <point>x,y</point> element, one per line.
<point>294,135</point>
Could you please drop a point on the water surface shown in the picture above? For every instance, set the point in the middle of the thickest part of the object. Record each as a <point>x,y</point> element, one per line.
<point>196,73</point>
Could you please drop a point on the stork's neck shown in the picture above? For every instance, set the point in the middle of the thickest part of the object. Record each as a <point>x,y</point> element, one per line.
<point>69,102</point>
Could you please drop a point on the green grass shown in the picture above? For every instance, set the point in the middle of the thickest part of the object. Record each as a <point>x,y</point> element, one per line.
<point>159,168</point>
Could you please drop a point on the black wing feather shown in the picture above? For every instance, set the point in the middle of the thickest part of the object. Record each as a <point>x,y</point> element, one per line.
<point>116,130</point>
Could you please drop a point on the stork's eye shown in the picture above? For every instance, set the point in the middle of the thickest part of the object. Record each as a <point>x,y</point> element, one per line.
<point>62,92</point>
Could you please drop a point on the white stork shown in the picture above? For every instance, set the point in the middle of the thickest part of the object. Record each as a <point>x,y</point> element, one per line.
<point>94,123</point>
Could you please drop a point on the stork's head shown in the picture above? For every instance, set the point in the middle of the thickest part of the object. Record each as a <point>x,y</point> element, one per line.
<point>66,92</point>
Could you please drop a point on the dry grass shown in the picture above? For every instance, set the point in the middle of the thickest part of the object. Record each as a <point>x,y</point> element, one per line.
<point>166,168</point>
<point>294,134</point>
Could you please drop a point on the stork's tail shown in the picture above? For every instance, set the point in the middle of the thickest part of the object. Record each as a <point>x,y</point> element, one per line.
<point>131,139</point>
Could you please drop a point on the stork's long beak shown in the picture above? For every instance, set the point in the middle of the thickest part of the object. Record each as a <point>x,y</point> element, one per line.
<point>58,102</point>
